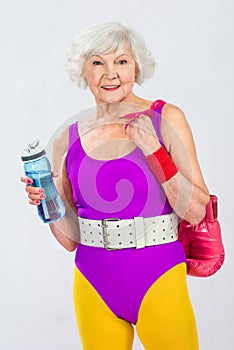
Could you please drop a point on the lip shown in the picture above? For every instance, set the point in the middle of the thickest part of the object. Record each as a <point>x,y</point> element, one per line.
<point>110,87</point>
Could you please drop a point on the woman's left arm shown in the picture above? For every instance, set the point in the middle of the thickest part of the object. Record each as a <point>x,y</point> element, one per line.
<point>185,187</point>
<point>186,191</point>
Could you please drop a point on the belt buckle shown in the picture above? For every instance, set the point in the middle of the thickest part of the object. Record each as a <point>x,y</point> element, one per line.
<point>105,234</point>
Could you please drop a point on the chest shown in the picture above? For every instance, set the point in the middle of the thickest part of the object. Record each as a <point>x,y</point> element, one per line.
<point>104,142</point>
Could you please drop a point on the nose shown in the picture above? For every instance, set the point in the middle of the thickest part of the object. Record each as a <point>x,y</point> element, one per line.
<point>110,72</point>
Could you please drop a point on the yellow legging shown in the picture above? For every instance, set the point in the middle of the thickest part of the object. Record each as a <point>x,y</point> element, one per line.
<point>165,320</point>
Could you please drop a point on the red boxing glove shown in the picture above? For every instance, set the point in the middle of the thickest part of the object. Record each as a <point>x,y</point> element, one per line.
<point>161,165</point>
<point>203,243</point>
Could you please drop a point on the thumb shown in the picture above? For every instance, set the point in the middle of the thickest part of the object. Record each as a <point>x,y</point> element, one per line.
<point>55,173</point>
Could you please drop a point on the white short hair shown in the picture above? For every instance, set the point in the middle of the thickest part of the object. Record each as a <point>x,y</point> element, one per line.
<point>105,37</point>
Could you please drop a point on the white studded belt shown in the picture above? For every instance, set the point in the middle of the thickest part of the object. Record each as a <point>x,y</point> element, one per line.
<point>139,232</point>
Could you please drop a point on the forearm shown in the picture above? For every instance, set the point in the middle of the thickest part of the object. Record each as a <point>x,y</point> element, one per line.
<point>187,200</point>
<point>65,241</point>
<point>66,231</point>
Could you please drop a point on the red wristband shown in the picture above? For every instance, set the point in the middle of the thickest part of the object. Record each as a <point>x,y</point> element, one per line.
<point>161,165</point>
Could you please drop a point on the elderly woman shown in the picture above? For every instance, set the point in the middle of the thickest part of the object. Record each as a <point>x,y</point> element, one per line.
<point>129,171</point>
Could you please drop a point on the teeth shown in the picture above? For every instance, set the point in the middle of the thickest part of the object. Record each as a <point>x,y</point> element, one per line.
<point>110,86</point>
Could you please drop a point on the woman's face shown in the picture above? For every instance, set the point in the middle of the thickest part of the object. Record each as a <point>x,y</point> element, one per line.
<point>111,77</point>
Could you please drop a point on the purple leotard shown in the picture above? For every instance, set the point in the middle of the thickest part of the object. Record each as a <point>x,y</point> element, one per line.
<point>122,188</point>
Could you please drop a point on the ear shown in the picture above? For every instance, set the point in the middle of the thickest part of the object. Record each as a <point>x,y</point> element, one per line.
<point>83,71</point>
<point>137,71</point>
<point>83,74</point>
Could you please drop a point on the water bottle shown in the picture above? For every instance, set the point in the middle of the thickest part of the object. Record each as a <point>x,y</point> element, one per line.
<point>38,168</point>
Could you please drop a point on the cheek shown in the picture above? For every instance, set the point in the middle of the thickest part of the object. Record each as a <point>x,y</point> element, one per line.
<point>93,78</point>
<point>128,77</point>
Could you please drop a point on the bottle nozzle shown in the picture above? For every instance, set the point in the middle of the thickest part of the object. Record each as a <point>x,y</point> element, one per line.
<point>33,151</point>
<point>34,144</point>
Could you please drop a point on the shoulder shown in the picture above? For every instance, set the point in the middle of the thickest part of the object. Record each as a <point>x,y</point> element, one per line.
<point>174,122</point>
<point>61,140</point>
<point>60,148</point>
<point>173,113</point>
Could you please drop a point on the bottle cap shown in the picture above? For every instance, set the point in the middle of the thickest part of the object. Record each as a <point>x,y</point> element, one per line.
<point>33,151</point>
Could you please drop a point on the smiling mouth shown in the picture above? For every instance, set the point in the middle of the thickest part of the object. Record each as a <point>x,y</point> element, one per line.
<point>110,87</point>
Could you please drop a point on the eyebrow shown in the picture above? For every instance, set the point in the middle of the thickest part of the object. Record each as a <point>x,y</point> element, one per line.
<point>122,54</point>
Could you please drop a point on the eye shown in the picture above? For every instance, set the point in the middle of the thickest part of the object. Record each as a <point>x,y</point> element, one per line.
<point>122,62</point>
<point>97,63</point>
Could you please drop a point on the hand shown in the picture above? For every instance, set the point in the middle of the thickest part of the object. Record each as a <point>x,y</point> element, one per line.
<point>141,131</point>
<point>35,194</point>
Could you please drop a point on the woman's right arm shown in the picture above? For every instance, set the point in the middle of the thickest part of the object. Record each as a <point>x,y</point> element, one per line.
<point>65,230</point>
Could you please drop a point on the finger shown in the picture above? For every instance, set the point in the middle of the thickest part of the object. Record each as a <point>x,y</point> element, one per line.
<point>36,196</point>
<point>34,202</point>
<point>143,123</point>
<point>34,190</point>
<point>135,119</point>
<point>130,122</point>
<point>133,122</point>
<point>129,129</point>
<point>126,125</point>
<point>147,112</point>
<point>26,179</point>
<point>130,115</point>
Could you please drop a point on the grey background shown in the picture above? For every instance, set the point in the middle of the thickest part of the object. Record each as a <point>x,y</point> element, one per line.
<point>193,45</point>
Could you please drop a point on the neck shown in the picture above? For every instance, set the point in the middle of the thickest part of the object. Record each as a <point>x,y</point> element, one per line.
<point>109,111</point>
<point>112,111</point>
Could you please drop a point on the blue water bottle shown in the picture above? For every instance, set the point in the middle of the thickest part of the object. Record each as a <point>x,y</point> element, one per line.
<point>38,168</point>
